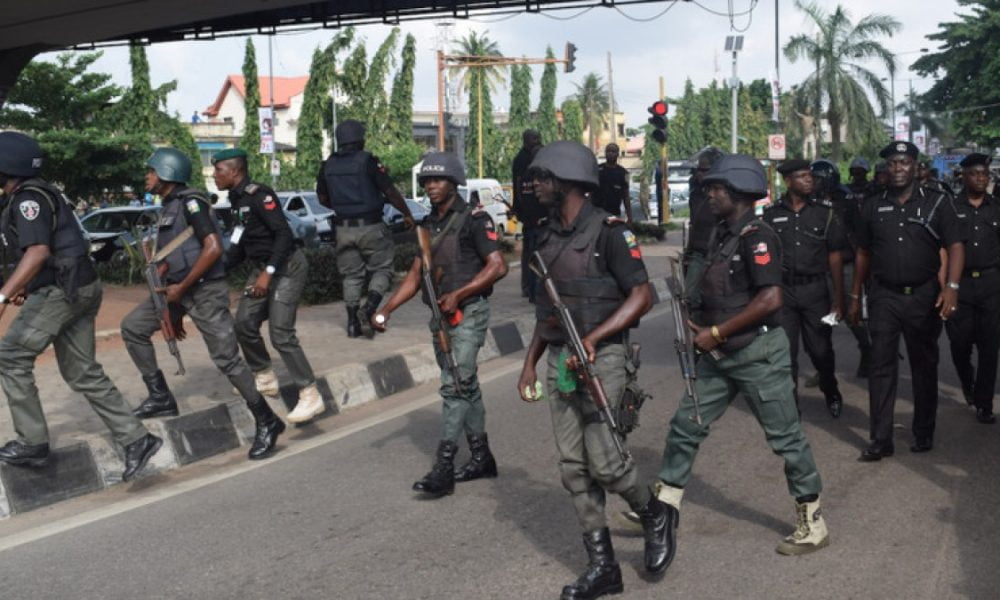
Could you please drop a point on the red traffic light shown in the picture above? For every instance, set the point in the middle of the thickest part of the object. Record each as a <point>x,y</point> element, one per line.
<point>659,108</point>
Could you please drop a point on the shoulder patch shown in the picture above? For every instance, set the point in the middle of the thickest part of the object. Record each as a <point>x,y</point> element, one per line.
<point>29,209</point>
<point>761,254</point>
<point>270,203</point>
<point>749,228</point>
<point>491,232</point>
<point>633,244</point>
<point>193,206</point>
<point>612,220</point>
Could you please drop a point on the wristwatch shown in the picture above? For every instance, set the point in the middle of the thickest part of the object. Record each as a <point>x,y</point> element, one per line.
<point>269,269</point>
<point>953,285</point>
<point>4,299</point>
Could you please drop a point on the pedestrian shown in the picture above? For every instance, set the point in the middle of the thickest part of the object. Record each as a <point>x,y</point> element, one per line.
<point>467,262</point>
<point>701,221</point>
<point>881,181</point>
<point>613,191</point>
<point>527,208</point>
<point>976,323</point>
<point>901,233</point>
<point>57,287</point>
<point>596,265</point>
<point>195,278</point>
<point>859,179</point>
<point>352,182</point>
<point>744,350</point>
<point>812,239</point>
<point>274,287</point>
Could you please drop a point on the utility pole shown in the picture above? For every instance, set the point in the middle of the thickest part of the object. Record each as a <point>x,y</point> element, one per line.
<point>333,108</point>
<point>440,72</point>
<point>479,122</point>
<point>270,68</point>
<point>611,103</point>
<point>734,43</point>
<point>664,209</point>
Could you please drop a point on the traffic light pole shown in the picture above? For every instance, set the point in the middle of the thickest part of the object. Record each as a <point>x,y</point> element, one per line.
<point>664,212</point>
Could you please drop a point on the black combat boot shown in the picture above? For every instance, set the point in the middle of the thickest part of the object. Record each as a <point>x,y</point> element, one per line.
<point>138,453</point>
<point>659,527</point>
<point>441,480</point>
<point>269,427</point>
<point>353,324</point>
<point>371,307</point>
<point>481,464</point>
<point>603,575</point>
<point>160,403</point>
<point>834,404</point>
<point>23,455</point>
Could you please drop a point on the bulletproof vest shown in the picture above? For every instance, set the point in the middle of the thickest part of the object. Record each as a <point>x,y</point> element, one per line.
<point>351,190</point>
<point>720,297</point>
<point>172,223</point>
<point>581,277</point>
<point>450,272</point>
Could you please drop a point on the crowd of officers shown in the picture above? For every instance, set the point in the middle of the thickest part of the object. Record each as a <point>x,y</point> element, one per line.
<point>893,257</point>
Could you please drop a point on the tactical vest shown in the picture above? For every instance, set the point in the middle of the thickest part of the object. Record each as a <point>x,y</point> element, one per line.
<point>720,298</point>
<point>581,277</point>
<point>172,223</point>
<point>450,271</point>
<point>351,190</point>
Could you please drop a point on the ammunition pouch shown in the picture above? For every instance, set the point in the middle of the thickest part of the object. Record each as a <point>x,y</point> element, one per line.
<point>633,396</point>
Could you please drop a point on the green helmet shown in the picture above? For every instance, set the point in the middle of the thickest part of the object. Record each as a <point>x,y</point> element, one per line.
<point>170,164</point>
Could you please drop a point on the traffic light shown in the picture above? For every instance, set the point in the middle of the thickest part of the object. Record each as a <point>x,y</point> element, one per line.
<point>570,57</point>
<point>658,120</point>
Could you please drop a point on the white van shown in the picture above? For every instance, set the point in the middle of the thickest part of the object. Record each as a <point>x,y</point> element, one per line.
<point>488,195</point>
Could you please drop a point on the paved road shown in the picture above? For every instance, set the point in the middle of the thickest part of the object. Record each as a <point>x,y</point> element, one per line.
<point>333,516</point>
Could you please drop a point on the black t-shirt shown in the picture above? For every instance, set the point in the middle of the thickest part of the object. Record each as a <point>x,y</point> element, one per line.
<point>702,221</point>
<point>266,238</point>
<point>903,251</point>
<point>476,241</point>
<point>982,249</point>
<point>197,213</point>
<point>528,209</point>
<point>29,222</point>
<point>612,189</point>
<point>376,170</point>
<point>807,237</point>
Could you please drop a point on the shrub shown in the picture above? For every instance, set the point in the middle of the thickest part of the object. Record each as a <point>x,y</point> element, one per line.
<point>649,231</point>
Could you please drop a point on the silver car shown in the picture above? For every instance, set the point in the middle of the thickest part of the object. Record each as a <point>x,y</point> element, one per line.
<point>306,206</point>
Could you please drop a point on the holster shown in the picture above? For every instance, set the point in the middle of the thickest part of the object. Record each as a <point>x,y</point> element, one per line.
<point>633,396</point>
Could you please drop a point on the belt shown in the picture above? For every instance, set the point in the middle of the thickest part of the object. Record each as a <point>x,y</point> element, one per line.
<point>802,279</point>
<point>977,273</point>
<point>906,290</point>
<point>356,221</point>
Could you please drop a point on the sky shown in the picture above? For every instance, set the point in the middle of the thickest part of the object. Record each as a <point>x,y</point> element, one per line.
<point>679,40</point>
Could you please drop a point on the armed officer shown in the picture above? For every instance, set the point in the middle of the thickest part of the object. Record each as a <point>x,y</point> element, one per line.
<point>466,262</point>
<point>57,288</point>
<point>596,266</point>
<point>976,323</point>
<point>189,245</point>
<point>901,234</point>
<point>352,182</point>
<point>275,286</point>
<point>812,239</point>
<point>744,350</point>
<point>612,193</point>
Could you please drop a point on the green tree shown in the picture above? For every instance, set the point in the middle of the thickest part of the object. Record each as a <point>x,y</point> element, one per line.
<point>309,134</point>
<point>967,66</point>
<point>573,120</point>
<point>545,115</point>
<point>256,162</point>
<point>592,97</point>
<point>351,83</point>
<point>685,130</point>
<point>839,84</point>
<point>479,79</point>
<point>752,126</point>
<point>374,101</point>
<point>400,122</point>
<point>520,99</point>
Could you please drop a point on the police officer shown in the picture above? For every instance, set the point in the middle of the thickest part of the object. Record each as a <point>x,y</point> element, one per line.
<point>744,350</point>
<point>59,293</point>
<point>880,183</point>
<point>901,233</point>
<point>468,261</point>
<point>527,208</point>
<point>701,222</point>
<point>977,320</point>
<point>859,179</point>
<point>612,192</point>
<point>275,286</point>
<point>352,182</point>
<point>812,239</point>
<point>596,265</point>
<point>195,278</point>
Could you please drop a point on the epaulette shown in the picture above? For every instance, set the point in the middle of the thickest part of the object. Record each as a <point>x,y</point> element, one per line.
<point>750,227</point>
<point>252,188</point>
<point>825,203</point>
<point>612,220</point>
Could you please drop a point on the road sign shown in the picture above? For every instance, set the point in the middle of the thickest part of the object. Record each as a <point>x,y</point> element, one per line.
<point>275,167</point>
<point>776,146</point>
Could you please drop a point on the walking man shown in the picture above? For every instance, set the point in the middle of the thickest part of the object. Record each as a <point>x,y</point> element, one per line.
<point>612,193</point>
<point>466,262</point>
<point>57,288</point>
<point>195,278</point>
<point>275,286</point>
<point>353,183</point>
<point>527,208</point>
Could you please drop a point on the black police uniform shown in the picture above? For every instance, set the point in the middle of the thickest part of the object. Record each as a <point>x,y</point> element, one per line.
<point>612,188</point>
<point>702,221</point>
<point>807,239</point>
<point>904,241</point>
<point>977,320</point>
<point>530,213</point>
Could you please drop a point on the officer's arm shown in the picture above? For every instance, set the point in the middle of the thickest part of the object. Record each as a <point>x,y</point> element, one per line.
<point>211,251</point>
<point>526,382</point>
<point>384,184</point>
<point>836,262</point>
<point>494,269</point>
<point>625,198</point>
<point>767,300</point>
<point>322,194</point>
<point>638,303</point>
<point>27,268</point>
<point>274,219</point>
<point>406,290</point>
<point>862,265</point>
<point>954,263</point>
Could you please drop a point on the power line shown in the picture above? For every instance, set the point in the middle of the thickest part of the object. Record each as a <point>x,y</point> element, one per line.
<point>673,3</point>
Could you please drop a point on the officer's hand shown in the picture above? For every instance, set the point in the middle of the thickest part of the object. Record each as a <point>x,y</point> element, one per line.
<point>448,303</point>
<point>838,309</point>
<point>380,321</point>
<point>409,222</point>
<point>526,384</point>
<point>173,292</point>
<point>180,334</point>
<point>854,311</point>
<point>703,339</point>
<point>261,286</point>
<point>589,346</point>
<point>18,299</point>
<point>947,302</point>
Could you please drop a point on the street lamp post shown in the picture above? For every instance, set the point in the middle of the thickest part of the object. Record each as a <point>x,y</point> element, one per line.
<point>734,43</point>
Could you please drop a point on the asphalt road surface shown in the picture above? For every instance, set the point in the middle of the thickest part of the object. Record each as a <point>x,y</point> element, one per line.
<point>332,516</point>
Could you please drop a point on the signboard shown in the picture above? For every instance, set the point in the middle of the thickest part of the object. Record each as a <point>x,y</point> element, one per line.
<point>775,98</point>
<point>275,167</point>
<point>776,146</point>
<point>266,122</point>
<point>901,131</point>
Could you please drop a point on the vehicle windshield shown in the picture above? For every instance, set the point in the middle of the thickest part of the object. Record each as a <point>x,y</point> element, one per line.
<point>113,221</point>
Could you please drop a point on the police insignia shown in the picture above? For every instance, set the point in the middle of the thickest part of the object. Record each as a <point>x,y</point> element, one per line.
<point>761,255</point>
<point>269,203</point>
<point>30,209</point>
<point>633,244</point>
<point>192,206</point>
<point>491,233</point>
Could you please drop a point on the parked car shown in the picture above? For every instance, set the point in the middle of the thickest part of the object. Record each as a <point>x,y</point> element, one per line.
<point>305,205</point>
<point>394,219</point>
<point>488,195</point>
<point>110,230</point>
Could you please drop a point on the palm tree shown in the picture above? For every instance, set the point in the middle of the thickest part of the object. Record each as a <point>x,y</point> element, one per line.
<point>838,82</point>
<point>593,99</point>
<point>479,45</point>
<point>479,77</point>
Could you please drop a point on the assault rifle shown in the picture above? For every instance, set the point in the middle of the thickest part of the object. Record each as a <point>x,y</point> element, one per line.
<point>586,369</point>
<point>683,342</point>
<point>159,298</point>
<point>430,287</point>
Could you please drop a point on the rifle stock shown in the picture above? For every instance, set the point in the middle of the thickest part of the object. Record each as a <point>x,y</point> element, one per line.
<point>427,280</point>
<point>683,343</point>
<point>155,284</point>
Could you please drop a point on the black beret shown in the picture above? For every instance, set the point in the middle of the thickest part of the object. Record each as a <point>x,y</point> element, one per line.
<point>790,166</point>
<point>975,159</point>
<point>900,148</point>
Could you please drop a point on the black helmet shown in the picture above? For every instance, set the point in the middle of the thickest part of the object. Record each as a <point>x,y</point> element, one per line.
<point>827,171</point>
<point>350,132</point>
<point>442,164</point>
<point>170,164</point>
<point>708,153</point>
<point>741,173</point>
<point>20,155</point>
<point>569,161</point>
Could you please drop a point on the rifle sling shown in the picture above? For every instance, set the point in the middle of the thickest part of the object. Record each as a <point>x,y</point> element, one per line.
<point>174,244</point>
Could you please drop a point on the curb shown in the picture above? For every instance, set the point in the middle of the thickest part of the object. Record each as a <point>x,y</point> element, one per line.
<point>91,463</point>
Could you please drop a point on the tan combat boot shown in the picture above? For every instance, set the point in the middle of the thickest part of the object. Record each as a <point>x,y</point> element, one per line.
<point>810,531</point>
<point>309,405</point>
<point>267,383</point>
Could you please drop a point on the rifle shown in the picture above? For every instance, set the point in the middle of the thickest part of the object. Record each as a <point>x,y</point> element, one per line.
<point>587,370</point>
<point>155,284</point>
<point>427,280</point>
<point>683,342</point>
